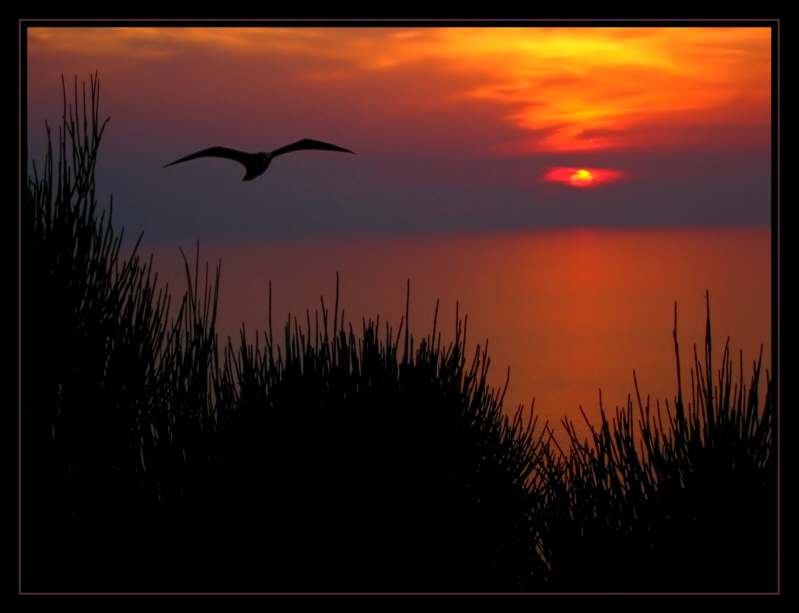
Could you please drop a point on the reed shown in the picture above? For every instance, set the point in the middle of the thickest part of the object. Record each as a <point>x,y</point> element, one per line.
<point>153,460</point>
<point>686,506</point>
<point>111,387</point>
<point>395,465</point>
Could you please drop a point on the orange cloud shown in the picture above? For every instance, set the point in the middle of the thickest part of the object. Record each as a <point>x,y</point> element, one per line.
<point>561,89</point>
<point>579,89</point>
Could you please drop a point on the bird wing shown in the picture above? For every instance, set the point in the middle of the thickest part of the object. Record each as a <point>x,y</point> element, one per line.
<point>219,152</point>
<point>309,143</point>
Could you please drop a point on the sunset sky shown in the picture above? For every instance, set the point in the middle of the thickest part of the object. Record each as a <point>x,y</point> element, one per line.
<point>563,186</point>
<point>454,129</point>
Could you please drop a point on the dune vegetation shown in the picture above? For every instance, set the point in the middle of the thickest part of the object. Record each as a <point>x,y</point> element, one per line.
<point>330,459</point>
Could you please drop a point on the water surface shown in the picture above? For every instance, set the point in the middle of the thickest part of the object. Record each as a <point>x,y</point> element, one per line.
<point>570,312</point>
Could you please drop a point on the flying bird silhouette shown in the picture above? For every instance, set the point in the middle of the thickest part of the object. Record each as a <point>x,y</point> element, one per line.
<point>257,163</point>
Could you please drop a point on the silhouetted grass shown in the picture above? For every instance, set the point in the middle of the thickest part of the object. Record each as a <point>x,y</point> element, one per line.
<point>689,506</point>
<point>112,391</point>
<point>398,473</point>
<point>325,460</point>
<point>148,464</point>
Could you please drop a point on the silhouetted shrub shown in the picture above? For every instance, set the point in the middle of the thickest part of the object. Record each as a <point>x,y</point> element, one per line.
<point>148,465</point>
<point>691,506</point>
<point>397,473</point>
<point>106,380</point>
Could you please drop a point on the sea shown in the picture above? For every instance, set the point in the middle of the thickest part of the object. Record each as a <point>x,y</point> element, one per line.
<point>569,318</point>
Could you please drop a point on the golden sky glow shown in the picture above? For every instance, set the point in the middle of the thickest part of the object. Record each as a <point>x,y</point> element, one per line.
<point>563,89</point>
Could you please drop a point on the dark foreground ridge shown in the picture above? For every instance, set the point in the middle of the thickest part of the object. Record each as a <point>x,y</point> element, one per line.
<point>154,460</point>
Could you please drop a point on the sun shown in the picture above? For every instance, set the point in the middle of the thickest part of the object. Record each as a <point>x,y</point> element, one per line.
<point>574,176</point>
<point>581,178</point>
